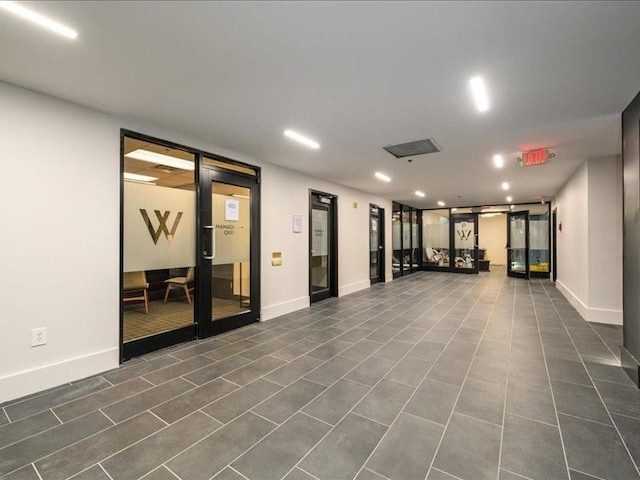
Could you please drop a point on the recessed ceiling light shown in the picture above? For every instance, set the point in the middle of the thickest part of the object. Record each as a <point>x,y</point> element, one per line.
<point>160,158</point>
<point>138,178</point>
<point>498,161</point>
<point>511,207</point>
<point>509,198</point>
<point>28,14</point>
<point>419,193</point>
<point>479,92</point>
<point>302,139</point>
<point>505,185</point>
<point>441,203</point>
<point>454,209</point>
<point>383,177</point>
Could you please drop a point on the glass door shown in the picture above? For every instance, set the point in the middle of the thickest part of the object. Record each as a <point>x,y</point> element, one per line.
<point>376,244</point>
<point>323,272</point>
<point>518,245</point>
<point>229,251</point>
<point>465,242</point>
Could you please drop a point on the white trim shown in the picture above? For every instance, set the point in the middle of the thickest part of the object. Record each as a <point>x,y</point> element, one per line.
<point>604,315</point>
<point>19,384</point>
<point>573,299</point>
<point>388,277</point>
<point>353,287</point>
<point>283,308</point>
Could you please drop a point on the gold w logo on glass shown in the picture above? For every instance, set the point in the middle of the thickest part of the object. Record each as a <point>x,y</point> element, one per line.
<point>162,227</point>
<point>463,235</point>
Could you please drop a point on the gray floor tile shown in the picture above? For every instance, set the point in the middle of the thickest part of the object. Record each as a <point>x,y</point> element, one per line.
<point>3,417</point>
<point>26,473</point>
<point>336,401</point>
<point>289,400</point>
<point>328,373</point>
<point>189,402</point>
<point>507,475</point>
<point>132,406</point>
<point>254,370</point>
<point>341,454</point>
<point>531,401</point>
<point>409,371</point>
<point>489,370</point>
<point>394,350</point>
<point>216,370</point>
<point>529,371</point>
<point>411,335</point>
<point>371,370</point>
<point>101,399</point>
<point>482,400</point>
<point>276,454</point>
<point>90,451</point>
<point>227,474</point>
<point>293,370</point>
<point>581,476</point>
<point>384,401</point>
<point>361,350</point>
<point>33,448</point>
<point>54,397</point>
<point>366,474</point>
<point>427,351</point>
<point>206,458</point>
<point>226,351</point>
<point>133,371</point>
<point>330,349</point>
<point>468,335</point>
<point>178,369</point>
<point>470,449</point>
<point>608,373</point>
<point>622,399</point>
<point>452,370</point>
<point>435,474</point>
<point>263,349</point>
<point>153,451</point>
<point>93,473</point>
<point>199,348</point>
<point>630,431</point>
<point>532,449</point>
<point>596,449</point>
<point>460,349</point>
<point>433,401</point>
<point>568,371</point>
<point>294,351</point>
<point>579,401</point>
<point>407,449</point>
<point>384,334</point>
<point>297,474</point>
<point>240,401</point>
<point>16,431</point>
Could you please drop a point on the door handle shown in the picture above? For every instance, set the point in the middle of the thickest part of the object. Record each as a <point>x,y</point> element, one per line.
<point>213,243</point>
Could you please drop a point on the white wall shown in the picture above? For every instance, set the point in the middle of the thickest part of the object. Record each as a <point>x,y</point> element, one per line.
<point>60,237</point>
<point>493,237</point>
<point>590,243</point>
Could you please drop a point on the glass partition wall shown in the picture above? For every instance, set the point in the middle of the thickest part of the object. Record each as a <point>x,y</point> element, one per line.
<point>435,239</point>
<point>405,239</point>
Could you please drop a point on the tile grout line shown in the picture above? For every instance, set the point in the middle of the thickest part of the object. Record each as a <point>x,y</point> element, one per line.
<point>238,472</point>
<point>105,472</point>
<point>599,396</point>
<point>36,470</point>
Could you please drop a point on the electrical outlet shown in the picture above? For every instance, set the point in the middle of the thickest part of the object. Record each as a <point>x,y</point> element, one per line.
<point>38,336</point>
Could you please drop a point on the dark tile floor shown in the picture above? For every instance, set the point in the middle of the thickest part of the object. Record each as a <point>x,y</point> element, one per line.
<point>434,376</point>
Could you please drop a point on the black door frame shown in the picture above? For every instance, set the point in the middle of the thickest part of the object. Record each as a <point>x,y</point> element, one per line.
<point>145,345</point>
<point>452,243</point>
<point>554,253</point>
<point>206,326</point>
<point>332,208</point>
<point>379,215</point>
<point>511,273</point>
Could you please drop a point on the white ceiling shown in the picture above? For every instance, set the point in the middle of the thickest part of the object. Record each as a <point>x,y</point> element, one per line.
<point>355,76</point>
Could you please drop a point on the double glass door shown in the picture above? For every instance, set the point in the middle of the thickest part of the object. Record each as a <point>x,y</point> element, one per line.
<point>518,244</point>
<point>465,242</point>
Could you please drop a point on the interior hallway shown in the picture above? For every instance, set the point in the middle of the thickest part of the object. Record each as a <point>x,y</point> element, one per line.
<point>434,375</point>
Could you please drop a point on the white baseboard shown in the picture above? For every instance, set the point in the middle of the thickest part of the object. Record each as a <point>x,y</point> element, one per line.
<point>353,287</point>
<point>388,277</point>
<point>35,380</point>
<point>273,311</point>
<point>590,314</point>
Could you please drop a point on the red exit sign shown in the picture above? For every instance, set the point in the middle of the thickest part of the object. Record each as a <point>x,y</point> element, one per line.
<point>535,157</point>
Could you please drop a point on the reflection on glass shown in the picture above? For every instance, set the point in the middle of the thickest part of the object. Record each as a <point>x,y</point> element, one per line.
<point>159,239</point>
<point>374,240</point>
<point>415,244</point>
<point>231,249</point>
<point>435,237</point>
<point>518,243</point>
<point>539,242</point>
<point>320,249</point>
<point>396,239</point>
<point>464,230</point>
<point>406,240</point>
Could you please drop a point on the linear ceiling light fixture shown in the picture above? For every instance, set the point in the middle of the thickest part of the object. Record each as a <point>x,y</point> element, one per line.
<point>498,161</point>
<point>135,177</point>
<point>419,193</point>
<point>160,158</point>
<point>28,14</point>
<point>301,139</point>
<point>383,177</point>
<point>480,95</point>
<point>441,203</point>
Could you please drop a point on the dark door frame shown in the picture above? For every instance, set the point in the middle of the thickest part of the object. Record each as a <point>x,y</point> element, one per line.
<point>381,243</point>
<point>332,208</point>
<point>452,243</point>
<point>206,326</point>
<point>511,273</point>
<point>554,253</point>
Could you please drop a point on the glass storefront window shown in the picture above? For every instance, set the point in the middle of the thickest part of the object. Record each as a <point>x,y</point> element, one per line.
<point>406,239</point>
<point>396,229</point>
<point>539,239</point>
<point>435,238</point>
<point>415,244</point>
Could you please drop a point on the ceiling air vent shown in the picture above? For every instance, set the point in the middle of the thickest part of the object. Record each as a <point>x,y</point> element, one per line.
<point>411,149</point>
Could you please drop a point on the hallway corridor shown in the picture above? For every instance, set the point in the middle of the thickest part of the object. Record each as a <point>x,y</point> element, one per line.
<point>433,376</point>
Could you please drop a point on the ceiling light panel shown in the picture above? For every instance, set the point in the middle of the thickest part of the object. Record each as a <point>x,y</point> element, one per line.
<point>509,198</point>
<point>135,177</point>
<point>479,93</point>
<point>505,185</point>
<point>419,193</point>
<point>34,17</point>
<point>383,177</point>
<point>162,159</point>
<point>441,203</point>
<point>306,141</point>
<point>498,161</point>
